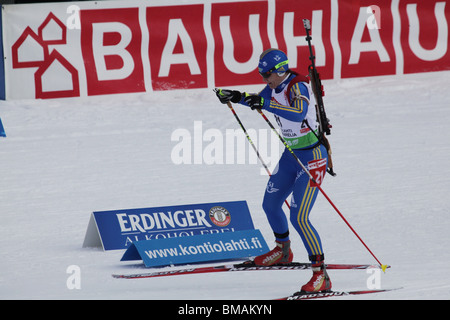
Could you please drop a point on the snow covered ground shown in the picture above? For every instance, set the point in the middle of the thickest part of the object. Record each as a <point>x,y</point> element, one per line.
<point>65,158</point>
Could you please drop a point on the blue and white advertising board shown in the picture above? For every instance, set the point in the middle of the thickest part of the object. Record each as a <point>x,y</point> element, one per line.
<point>196,249</point>
<point>118,229</point>
<point>2,130</point>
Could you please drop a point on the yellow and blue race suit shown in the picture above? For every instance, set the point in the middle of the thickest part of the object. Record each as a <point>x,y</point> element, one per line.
<point>293,106</point>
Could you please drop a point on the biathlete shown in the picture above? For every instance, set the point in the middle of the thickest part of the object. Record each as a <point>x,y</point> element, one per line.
<point>289,97</point>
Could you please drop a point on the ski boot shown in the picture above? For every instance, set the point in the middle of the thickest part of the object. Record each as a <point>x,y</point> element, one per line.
<point>281,254</point>
<point>320,281</point>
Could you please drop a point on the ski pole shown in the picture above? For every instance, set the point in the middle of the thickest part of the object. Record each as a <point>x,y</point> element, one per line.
<point>252,144</point>
<point>383,266</point>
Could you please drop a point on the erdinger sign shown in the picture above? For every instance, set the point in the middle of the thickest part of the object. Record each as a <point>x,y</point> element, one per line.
<point>106,47</point>
<point>118,229</point>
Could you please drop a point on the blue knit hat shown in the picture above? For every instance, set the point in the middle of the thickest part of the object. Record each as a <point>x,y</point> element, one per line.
<point>273,60</point>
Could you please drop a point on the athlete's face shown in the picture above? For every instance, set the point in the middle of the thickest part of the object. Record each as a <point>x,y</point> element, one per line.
<point>274,80</point>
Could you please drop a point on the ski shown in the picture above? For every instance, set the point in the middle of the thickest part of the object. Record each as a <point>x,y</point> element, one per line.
<point>330,293</point>
<point>245,266</point>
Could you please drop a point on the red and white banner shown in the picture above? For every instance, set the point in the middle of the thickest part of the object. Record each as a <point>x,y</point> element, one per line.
<point>94,48</point>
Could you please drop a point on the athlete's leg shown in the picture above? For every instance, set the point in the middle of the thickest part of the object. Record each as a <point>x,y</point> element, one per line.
<point>304,197</point>
<point>278,189</point>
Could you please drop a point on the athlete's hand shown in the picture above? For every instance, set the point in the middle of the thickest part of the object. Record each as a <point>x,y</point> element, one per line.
<point>226,95</point>
<point>254,101</point>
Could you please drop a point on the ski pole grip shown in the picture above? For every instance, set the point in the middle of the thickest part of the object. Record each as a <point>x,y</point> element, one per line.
<point>306,24</point>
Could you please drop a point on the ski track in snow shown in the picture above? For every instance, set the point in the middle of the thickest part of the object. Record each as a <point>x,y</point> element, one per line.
<point>65,158</point>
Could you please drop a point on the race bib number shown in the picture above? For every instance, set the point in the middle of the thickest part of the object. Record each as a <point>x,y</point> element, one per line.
<point>317,168</point>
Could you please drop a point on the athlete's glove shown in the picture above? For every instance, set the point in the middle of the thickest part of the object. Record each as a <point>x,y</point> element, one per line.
<point>226,95</point>
<point>254,101</point>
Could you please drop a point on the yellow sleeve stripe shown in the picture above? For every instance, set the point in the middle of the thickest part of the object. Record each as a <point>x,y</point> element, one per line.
<point>297,106</point>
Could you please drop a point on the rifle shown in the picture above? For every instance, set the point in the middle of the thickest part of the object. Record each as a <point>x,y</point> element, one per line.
<point>324,122</point>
